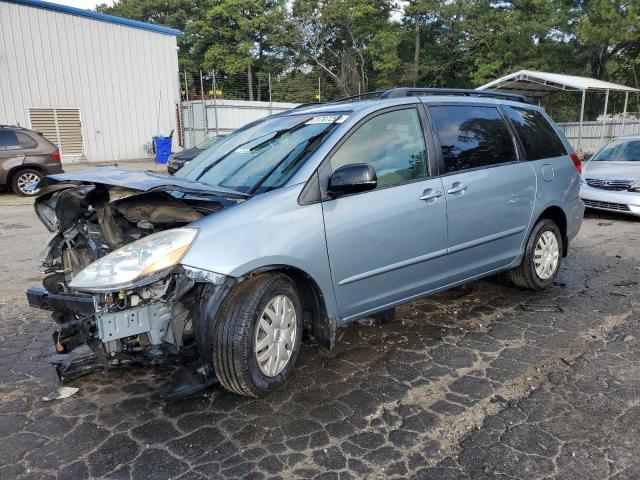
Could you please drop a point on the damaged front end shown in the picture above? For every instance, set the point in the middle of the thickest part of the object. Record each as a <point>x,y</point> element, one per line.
<point>140,326</point>
<point>113,280</point>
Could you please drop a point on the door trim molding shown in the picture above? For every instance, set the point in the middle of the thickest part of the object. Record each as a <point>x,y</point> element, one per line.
<point>487,239</point>
<point>393,266</point>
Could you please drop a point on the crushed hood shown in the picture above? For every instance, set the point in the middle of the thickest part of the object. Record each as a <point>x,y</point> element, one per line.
<point>142,181</point>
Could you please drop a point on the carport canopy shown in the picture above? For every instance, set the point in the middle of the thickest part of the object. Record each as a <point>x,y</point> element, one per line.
<point>537,85</point>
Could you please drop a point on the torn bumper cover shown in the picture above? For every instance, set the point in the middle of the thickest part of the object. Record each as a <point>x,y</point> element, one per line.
<point>142,326</point>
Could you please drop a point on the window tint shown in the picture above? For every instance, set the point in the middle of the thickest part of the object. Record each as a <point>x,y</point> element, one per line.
<point>538,137</point>
<point>392,143</point>
<point>8,140</point>
<point>26,141</point>
<point>472,137</point>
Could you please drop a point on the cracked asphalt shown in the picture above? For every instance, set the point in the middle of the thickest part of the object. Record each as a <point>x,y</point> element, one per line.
<point>482,382</point>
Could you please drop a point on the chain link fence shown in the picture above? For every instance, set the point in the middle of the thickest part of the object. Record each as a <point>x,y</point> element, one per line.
<point>215,103</point>
<point>295,87</point>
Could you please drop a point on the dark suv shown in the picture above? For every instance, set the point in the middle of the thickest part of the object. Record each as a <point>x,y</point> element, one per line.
<point>25,158</point>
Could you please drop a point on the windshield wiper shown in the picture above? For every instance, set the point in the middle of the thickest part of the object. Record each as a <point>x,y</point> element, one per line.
<point>181,184</point>
<point>213,164</point>
<point>296,159</point>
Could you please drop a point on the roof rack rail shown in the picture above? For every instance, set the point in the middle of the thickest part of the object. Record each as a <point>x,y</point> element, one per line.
<point>413,92</point>
<point>360,96</point>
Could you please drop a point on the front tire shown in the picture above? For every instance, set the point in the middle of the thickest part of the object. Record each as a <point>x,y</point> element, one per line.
<point>542,257</point>
<point>257,334</point>
<point>22,178</point>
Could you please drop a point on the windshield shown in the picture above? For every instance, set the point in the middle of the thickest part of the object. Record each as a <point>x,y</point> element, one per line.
<point>263,155</point>
<point>628,151</point>
<point>207,143</point>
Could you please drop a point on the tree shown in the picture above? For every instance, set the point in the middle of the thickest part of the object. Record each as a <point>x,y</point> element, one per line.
<point>360,45</point>
<point>247,33</point>
<point>608,29</point>
<point>334,36</point>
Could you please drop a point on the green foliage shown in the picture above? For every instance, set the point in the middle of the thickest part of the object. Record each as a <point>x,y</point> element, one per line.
<point>359,45</point>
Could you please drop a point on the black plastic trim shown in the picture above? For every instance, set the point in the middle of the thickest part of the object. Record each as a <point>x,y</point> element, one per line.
<point>67,303</point>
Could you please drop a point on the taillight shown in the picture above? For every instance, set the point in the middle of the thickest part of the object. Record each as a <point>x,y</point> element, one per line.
<point>55,156</point>
<point>576,162</point>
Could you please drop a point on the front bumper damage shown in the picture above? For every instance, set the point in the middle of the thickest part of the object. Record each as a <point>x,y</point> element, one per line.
<point>151,325</point>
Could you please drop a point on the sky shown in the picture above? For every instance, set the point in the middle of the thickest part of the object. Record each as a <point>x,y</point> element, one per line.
<point>86,4</point>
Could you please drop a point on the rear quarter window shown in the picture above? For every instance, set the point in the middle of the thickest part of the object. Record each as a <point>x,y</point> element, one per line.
<point>26,141</point>
<point>538,137</point>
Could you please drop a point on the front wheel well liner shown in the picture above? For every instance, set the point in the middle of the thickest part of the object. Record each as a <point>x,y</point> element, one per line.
<point>557,215</point>
<point>316,321</point>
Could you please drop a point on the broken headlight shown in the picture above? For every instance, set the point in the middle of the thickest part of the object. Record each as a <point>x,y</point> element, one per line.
<point>47,214</point>
<point>137,263</point>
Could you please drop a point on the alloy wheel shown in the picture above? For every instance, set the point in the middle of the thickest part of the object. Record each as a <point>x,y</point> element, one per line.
<point>25,180</point>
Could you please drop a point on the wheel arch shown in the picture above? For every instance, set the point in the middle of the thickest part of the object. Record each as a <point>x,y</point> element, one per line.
<point>316,319</point>
<point>557,215</point>
<point>23,166</point>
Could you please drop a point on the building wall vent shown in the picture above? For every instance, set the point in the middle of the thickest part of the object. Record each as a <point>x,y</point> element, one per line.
<point>60,125</point>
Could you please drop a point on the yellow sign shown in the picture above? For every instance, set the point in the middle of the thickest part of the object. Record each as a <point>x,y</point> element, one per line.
<point>317,96</point>
<point>218,93</point>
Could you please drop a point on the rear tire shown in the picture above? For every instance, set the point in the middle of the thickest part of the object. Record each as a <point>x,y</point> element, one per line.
<point>250,311</point>
<point>542,258</point>
<point>22,178</point>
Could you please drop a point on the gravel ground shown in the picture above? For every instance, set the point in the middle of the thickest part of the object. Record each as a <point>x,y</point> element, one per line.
<point>484,381</point>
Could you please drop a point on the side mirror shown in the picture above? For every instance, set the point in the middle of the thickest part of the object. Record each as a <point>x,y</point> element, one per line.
<point>353,178</point>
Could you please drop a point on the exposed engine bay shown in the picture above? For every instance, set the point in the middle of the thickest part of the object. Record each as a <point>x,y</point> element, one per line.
<point>146,323</point>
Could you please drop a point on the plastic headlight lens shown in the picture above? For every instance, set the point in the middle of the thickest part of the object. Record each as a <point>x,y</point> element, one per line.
<point>635,187</point>
<point>47,214</point>
<point>137,261</point>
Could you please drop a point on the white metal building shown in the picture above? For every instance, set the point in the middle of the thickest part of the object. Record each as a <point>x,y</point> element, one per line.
<point>96,85</point>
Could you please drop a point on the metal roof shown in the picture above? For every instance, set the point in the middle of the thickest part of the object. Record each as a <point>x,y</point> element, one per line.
<point>101,17</point>
<point>540,84</point>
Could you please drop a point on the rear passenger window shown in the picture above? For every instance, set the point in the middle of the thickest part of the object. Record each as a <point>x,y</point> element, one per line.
<point>538,137</point>
<point>8,140</point>
<point>392,143</point>
<point>472,136</point>
<point>26,141</point>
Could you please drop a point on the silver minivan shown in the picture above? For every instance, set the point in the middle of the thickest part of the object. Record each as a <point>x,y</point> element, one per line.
<point>299,224</point>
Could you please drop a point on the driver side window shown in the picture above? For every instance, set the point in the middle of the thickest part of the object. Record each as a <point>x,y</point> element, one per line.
<point>392,143</point>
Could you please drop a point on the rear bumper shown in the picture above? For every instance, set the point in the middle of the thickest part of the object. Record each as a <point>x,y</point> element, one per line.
<point>53,168</point>
<point>575,215</point>
<point>612,201</point>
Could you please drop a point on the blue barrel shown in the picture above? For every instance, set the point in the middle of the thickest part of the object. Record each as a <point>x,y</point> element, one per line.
<point>162,147</point>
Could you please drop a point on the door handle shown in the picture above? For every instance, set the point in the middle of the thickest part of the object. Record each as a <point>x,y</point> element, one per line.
<point>429,194</point>
<point>457,187</point>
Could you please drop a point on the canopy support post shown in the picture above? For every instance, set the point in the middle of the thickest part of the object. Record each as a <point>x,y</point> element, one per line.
<point>624,111</point>
<point>584,94</point>
<point>604,115</point>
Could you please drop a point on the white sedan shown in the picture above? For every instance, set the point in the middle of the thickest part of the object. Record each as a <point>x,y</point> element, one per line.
<point>611,178</point>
